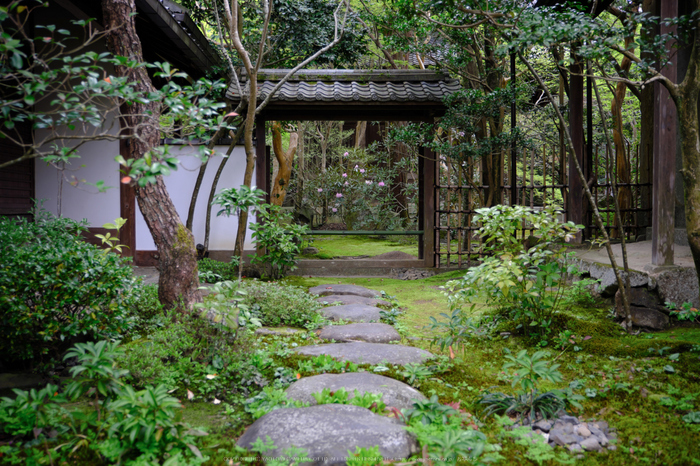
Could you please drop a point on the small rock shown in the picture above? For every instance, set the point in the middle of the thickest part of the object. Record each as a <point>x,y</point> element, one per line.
<point>574,447</point>
<point>562,439</point>
<point>612,447</point>
<point>591,444</point>
<point>570,419</point>
<point>309,251</point>
<point>595,431</point>
<point>583,431</point>
<point>543,425</point>
<point>603,440</point>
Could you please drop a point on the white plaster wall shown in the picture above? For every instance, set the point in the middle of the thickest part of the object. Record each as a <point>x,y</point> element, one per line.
<point>180,184</point>
<point>68,191</point>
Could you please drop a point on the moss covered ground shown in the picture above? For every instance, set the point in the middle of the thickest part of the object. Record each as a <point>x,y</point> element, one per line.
<point>642,385</point>
<point>344,246</point>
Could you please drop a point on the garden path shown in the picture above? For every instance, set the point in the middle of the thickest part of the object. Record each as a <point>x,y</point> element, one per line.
<point>328,432</point>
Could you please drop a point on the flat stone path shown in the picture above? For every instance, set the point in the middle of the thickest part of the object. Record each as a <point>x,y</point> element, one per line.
<point>331,300</point>
<point>370,333</point>
<point>328,432</point>
<point>368,353</point>
<point>352,313</point>
<point>395,393</point>
<point>327,290</point>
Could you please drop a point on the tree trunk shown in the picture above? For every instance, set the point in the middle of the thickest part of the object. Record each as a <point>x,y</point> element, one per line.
<point>284,161</point>
<point>179,282</point>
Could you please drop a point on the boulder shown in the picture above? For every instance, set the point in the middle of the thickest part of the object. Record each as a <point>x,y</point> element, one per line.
<point>371,333</point>
<point>327,432</point>
<point>352,313</point>
<point>326,290</point>
<point>608,282</point>
<point>368,353</point>
<point>351,299</point>
<point>394,393</point>
<point>678,285</point>
<point>649,317</point>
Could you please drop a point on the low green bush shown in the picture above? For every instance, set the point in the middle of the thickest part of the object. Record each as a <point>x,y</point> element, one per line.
<point>211,271</point>
<point>276,304</point>
<point>54,288</point>
<point>122,426</point>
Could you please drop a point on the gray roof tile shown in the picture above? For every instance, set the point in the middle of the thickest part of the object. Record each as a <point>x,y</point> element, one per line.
<point>353,86</point>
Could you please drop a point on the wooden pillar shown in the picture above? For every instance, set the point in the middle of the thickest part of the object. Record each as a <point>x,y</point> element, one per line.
<point>262,168</point>
<point>577,206</point>
<point>127,208</point>
<point>426,210</point>
<point>261,161</point>
<point>664,171</point>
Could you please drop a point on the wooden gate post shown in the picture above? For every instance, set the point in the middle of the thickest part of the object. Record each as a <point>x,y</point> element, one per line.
<point>664,171</point>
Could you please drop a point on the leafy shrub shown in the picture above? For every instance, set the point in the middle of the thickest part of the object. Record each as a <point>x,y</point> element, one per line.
<point>279,237</point>
<point>212,271</point>
<point>525,282</point>
<point>55,287</point>
<point>276,304</point>
<point>126,427</point>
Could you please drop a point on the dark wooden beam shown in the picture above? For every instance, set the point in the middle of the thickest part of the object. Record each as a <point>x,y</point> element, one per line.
<point>577,206</point>
<point>664,174</point>
<point>426,178</point>
<point>352,112</point>
<point>127,208</point>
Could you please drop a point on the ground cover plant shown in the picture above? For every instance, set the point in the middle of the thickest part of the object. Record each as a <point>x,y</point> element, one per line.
<point>353,246</point>
<point>646,386</point>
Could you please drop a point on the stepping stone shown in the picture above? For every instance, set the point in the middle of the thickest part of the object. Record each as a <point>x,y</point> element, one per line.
<point>326,290</point>
<point>352,313</point>
<point>368,353</point>
<point>371,333</point>
<point>395,393</point>
<point>351,299</point>
<point>327,432</point>
<point>278,331</point>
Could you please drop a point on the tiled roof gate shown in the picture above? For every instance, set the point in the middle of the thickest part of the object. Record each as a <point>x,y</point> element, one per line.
<point>356,95</point>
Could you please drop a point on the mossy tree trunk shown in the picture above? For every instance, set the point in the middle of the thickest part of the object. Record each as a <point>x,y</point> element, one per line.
<point>178,284</point>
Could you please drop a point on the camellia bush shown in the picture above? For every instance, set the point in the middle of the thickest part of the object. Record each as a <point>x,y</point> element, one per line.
<point>55,288</point>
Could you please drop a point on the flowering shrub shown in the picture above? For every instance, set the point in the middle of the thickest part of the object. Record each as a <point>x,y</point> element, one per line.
<point>359,194</point>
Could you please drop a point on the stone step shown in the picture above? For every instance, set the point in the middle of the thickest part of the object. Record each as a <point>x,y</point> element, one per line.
<point>328,432</point>
<point>368,353</point>
<point>351,299</point>
<point>330,289</point>
<point>368,332</point>
<point>394,393</point>
<point>352,313</point>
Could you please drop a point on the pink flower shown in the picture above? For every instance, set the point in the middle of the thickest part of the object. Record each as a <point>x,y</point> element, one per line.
<point>346,183</point>
<point>334,209</point>
<point>345,175</point>
<point>338,195</point>
<point>362,170</point>
<point>368,182</point>
<point>345,154</point>
<point>381,183</point>
<point>320,190</point>
<point>356,167</point>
